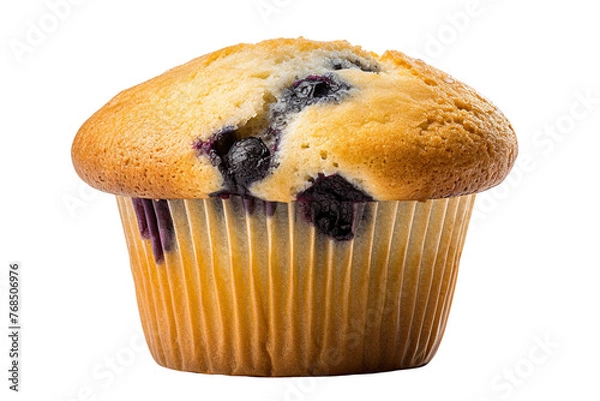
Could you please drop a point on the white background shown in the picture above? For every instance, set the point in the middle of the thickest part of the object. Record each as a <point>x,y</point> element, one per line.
<point>524,324</point>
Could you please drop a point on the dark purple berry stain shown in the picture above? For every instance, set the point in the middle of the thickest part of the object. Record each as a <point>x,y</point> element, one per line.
<point>250,204</point>
<point>271,137</point>
<point>270,208</point>
<point>138,206</point>
<point>155,223</point>
<point>329,204</point>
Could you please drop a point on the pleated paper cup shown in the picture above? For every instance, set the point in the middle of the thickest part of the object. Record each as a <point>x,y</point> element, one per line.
<point>242,287</point>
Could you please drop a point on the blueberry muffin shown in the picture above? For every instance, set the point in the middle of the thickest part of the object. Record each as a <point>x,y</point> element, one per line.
<point>295,207</point>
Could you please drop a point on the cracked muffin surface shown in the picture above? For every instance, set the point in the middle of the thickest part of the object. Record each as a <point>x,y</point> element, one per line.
<point>267,120</point>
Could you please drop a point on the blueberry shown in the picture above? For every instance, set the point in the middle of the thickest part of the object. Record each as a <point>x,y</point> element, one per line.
<point>329,204</point>
<point>247,161</point>
<point>240,161</point>
<point>314,87</point>
<point>311,90</point>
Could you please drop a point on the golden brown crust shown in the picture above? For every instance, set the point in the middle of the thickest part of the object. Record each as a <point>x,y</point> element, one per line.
<point>407,131</point>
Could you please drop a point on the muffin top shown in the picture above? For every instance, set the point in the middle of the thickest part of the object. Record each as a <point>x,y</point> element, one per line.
<point>290,119</point>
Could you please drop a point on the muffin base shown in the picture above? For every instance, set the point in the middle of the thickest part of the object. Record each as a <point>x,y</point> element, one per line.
<point>261,293</point>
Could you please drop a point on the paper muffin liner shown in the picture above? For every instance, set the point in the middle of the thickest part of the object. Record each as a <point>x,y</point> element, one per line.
<point>247,287</point>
